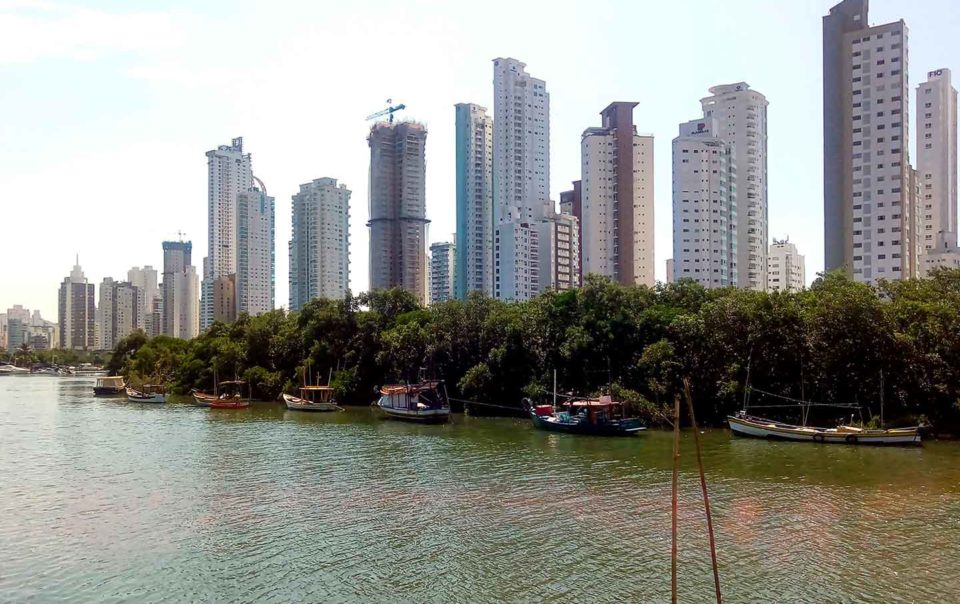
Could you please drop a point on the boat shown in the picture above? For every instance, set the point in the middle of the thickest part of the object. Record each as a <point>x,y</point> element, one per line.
<point>13,370</point>
<point>599,417</point>
<point>230,398</point>
<point>425,401</point>
<point>743,424</point>
<point>110,386</point>
<point>312,398</point>
<point>149,393</point>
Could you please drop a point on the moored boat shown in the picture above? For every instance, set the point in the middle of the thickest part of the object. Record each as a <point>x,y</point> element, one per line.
<point>600,417</point>
<point>110,386</point>
<point>743,424</point>
<point>312,398</point>
<point>13,370</point>
<point>149,393</point>
<point>425,401</point>
<point>231,396</point>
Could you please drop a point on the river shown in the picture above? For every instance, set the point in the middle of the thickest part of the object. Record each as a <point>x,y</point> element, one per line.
<point>103,500</point>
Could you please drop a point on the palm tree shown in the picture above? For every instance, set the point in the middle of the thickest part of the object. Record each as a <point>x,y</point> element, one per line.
<point>22,355</point>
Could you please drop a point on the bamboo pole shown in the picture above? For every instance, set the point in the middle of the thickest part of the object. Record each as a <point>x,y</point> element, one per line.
<point>673,500</point>
<point>703,487</point>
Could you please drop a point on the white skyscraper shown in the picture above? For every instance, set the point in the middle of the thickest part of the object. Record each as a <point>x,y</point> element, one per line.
<point>558,237</point>
<point>617,199</point>
<point>937,168</point>
<point>146,279</point>
<point>741,115</point>
<point>704,206</point>
<point>320,244</point>
<point>785,267</point>
<point>181,317</point>
<point>442,271</point>
<point>474,166</point>
<point>521,178</point>
<point>229,172</point>
<point>871,216</point>
<point>255,247</point>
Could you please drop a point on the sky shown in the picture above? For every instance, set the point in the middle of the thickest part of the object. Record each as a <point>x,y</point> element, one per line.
<point>108,107</point>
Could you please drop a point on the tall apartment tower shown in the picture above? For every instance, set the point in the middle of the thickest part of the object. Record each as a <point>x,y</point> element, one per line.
<point>704,206</point>
<point>558,236</point>
<point>937,168</point>
<point>256,255</point>
<point>571,204</point>
<point>785,267</point>
<point>398,222</point>
<point>120,307</point>
<point>181,317</point>
<point>617,198</point>
<point>229,172</point>
<point>443,271</point>
<point>741,114</point>
<point>78,311</point>
<point>146,279</point>
<point>871,219</point>
<point>521,179</point>
<point>320,243</point>
<point>474,165</point>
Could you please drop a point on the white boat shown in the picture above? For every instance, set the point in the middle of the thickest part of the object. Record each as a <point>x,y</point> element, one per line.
<point>422,402</point>
<point>150,393</point>
<point>747,425</point>
<point>312,398</point>
<point>13,370</point>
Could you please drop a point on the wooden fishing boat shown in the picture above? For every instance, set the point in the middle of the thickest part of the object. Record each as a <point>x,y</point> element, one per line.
<point>599,417</point>
<point>110,386</point>
<point>424,402</point>
<point>231,396</point>
<point>312,398</point>
<point>149,393</point>
<point>748,425</point>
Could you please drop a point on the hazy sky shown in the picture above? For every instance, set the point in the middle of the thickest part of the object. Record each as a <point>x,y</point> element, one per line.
<point>108,107</point>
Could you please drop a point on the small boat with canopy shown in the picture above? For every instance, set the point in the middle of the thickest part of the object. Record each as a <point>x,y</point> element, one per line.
<point>227,395</point>
<point>425,401</point>
<point>601,417</point>
<point>148,393</point>
<point>110,386</point>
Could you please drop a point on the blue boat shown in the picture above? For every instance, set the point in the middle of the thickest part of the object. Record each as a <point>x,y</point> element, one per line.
<point>600,417</point>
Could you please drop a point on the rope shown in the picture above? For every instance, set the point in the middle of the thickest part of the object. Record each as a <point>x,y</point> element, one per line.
<point>460,400</point>
<point>796,401</point>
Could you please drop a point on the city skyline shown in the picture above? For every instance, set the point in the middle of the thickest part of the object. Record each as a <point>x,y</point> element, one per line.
<point>578,84</point>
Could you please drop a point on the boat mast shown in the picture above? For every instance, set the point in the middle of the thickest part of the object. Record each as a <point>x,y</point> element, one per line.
<point>746,385</point>
<point>881,399</point>
<point>554,390</point>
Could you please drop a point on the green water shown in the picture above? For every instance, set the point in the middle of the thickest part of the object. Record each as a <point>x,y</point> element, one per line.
<point>101,500</point>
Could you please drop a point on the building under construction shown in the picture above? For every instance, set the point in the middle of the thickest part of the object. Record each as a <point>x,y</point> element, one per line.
<point>398,207</point>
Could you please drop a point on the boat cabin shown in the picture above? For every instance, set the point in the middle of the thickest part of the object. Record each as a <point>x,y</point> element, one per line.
<point>599,411</point>
<point>414,397</point>
<point>231,389</point>
<point>115,381</point>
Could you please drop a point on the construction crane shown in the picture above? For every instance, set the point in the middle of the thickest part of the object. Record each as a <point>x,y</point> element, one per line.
<point>388,111</point>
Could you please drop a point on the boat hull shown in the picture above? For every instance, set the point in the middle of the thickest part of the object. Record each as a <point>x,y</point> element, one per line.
<point>229,404</point>
<point>760,428</point>
<point>423,416</point>
<point>298,404</point>
<point>109,390</point>
<point>135,396</point>
<point>549,423</point>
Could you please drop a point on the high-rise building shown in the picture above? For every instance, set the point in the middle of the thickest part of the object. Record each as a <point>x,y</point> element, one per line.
<point>669,276</point>
<point>119,308</point>
<point>146,279</point>
<point>77,311</point>
<point>398,221</point>
<point>937,168</point>
<point>320,244</point>
<point>785,267</point>
<point>181,316</point>
<point>3,331</point>
<point>256,251</point>
<point>521,178</point>
<point>571,203</point>
<point>704,206</point>
<point>474,166</point>
<point>617,198</point>
<point>871,222</point>
<point>225,299</point>
<point>18,334</point>
<point>741,115</point>
<point>442,271</point>
<point>558,236</point>
<point>229,172</point>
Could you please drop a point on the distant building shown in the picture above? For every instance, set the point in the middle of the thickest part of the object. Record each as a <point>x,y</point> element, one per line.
<point>617,199</point>
<point>225,299</point>
<point>474,167</point>
<point>181,316</point>
<point>669,277</point>
<point>442,271</point>
<point>558,237</point>
<point>741,117</point>
<point>785,267</point>
<point>119,311</point>
<point>398,222</point>
<point>937,169</point>
<point>320,244</point>
<point>571,204</point>
<point>146,279</point>
<point>256,260</point>
<point>521,179</point>
<point>229,173</point>
<point>704,206</point>
<point>77,312</point>
<point>872,225</point>
<point>18,333</point>
<point>39,342</point>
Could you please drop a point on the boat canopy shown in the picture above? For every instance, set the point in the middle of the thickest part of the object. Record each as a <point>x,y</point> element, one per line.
<point>113,380</point>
